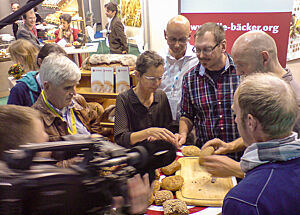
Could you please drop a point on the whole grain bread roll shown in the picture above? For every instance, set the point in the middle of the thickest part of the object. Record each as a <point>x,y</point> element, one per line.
<point>172,183</point>
<point>171,168</point>
<point>175,207</point>
<point>191,151</point>
<point>162,195</point>
<point>205,152</point>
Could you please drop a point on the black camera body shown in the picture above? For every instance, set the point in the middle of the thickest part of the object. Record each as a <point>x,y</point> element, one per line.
<point>30,188</point>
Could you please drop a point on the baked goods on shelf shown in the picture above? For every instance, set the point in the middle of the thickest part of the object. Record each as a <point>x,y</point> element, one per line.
<point>109,60</point>
<point>131,12</point>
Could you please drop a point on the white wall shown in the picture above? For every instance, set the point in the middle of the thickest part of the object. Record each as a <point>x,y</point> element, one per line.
<point>157,16</point>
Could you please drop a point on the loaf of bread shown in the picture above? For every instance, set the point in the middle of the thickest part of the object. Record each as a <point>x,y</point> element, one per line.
<point>175,207</point>
<point>172,183</point>
<point>205,152</point>
<point>162,195</point>
<point>191,151</point>
<point>170,169</point>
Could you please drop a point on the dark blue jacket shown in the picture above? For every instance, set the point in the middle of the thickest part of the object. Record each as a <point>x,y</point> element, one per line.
<point>26,91</point>
<point>272,188</point>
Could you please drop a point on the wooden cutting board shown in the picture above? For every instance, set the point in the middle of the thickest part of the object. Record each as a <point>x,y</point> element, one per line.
<point>197,188</point>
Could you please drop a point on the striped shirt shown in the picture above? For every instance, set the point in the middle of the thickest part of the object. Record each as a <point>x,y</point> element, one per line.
<point>208,104</point>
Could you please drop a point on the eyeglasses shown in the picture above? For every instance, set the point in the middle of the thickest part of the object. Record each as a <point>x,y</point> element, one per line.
<point>173,40</point>
<point>205,51</point>
<point>152,78</point>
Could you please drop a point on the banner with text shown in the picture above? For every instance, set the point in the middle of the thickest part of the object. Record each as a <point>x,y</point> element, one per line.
<point>238,17</point>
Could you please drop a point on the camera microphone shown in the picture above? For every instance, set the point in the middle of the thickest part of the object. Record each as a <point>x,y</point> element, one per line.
<point>154,154</point>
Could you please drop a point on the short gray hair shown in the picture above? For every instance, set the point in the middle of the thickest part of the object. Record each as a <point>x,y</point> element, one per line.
<point>57,69</point>
<point>271,101</point>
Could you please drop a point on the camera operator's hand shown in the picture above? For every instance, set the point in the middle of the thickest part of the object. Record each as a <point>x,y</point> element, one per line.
<point>139,192</point>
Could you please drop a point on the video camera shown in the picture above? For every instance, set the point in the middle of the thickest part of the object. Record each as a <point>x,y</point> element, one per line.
<point>28,187</point>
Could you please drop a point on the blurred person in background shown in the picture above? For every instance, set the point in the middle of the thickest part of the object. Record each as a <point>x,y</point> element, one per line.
<point>24,52</point>
<point>117,40</point>
<point>65,31</point>
<point>28,30</point>
<point>28,89</point>
<point>15,25</point>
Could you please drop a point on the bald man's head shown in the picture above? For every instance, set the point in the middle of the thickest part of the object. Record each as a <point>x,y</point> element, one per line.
<point>15,7</point>
<point>254,51</point>
<point>177,34</point>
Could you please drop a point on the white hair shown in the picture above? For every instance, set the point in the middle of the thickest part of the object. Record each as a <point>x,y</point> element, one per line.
<point>57,69</point>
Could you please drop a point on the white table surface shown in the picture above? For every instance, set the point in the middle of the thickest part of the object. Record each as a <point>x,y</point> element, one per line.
<point>45,27</point>
<point>89,47</point>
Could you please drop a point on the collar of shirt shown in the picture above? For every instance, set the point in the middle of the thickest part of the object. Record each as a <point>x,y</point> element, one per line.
<point>228,63</point>
<point>63,112</point>
<point>135,100</point>
<point>188,53</point>
<point>38,79</point>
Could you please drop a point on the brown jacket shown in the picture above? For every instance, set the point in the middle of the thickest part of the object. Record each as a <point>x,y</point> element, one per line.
<point>116,37</point>
<point>88,113</point>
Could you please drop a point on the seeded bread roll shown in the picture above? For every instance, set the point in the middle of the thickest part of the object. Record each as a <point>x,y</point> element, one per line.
<point>191,151</point>
<point>205,152</point>
<point>170,169</point>
<point>162,195</point>
<point>175,207</point>
<point>172,183</point>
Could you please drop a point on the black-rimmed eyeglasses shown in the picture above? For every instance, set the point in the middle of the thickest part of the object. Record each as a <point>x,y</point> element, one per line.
<point>205,51</point>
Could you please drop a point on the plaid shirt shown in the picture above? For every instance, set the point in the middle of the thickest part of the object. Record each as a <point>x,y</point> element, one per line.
<point>208,105</point>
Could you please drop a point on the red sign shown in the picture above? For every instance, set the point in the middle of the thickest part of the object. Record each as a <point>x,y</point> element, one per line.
<point>277,25</point>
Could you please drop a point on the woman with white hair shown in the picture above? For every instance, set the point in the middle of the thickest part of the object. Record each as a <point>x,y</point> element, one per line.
<point>63,111</point>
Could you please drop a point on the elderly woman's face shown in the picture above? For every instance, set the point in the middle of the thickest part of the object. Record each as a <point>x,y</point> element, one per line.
<point>151,80</point>
<point>65,24</point>
<point>61,96</point>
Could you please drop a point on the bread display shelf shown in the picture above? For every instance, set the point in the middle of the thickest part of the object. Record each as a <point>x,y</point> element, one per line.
<point>87,93</point>
<point>198,189</point>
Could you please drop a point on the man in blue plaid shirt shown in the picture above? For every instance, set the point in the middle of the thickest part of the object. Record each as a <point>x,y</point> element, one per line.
<point>208,89</point>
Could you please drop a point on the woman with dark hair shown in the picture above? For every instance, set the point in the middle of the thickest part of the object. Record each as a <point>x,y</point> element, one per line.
<point>28,89</point>
<point>65,31</point>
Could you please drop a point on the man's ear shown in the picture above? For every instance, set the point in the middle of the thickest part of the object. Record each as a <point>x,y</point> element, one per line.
<point>223,45</point>
<point>252,122</point>
<point>265,56</point>
<point>165,34</point>
<point>46,85</point>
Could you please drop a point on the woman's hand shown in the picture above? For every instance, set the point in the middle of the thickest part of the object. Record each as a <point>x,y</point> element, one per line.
<point>160,134</point>
<point>67,34</point>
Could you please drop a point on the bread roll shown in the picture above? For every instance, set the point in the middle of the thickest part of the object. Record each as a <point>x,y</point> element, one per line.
<point>175,207</point>
<point>205,152</point>
<point>191,151</point>
<point>162,195</point>
<point>172,183</point>
<point>170,169</point>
